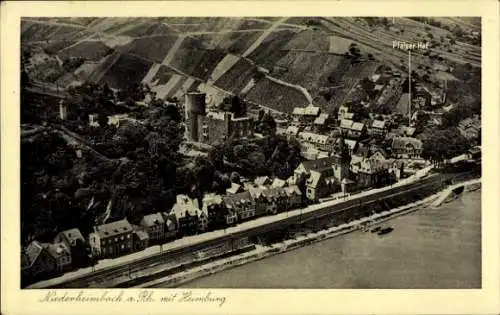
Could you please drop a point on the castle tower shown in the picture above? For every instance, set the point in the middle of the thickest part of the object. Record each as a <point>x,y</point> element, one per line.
<point>195,106</point>
<point>341,169</point>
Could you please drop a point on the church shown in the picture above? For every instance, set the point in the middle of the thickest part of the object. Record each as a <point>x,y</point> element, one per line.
<point>327,175</point>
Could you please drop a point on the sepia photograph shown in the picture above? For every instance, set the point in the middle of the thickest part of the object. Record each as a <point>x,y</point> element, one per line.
<point>269,152</point>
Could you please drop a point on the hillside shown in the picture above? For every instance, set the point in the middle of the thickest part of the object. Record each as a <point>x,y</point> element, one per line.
<point>305,57</point>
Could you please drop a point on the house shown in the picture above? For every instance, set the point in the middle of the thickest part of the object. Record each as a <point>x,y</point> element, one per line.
<point>470,128</point>
<point>62,256</point>
<point>372,173</point>
<point>404,131</point>
<point>112,239</point>
<point>234,189</point>
<point>321,122</point>
<point>325,175</point>
<point>140,238</point>
<point>276,200</point>
<point>154,225</point>
<point>38,262</point>
<point>171,228</point>
<point>218,214</point>
<point>186,213</point>
<point>305,114</point>
<point>474,152</point>
<point>242,204</point>
<point>309,140</point>
<point>406,147</point>
<point>256,193</point>
<point>352,129</point>
<point>344,113</point>
<point>263,181</point>
<point>292,132</point>
<point>321,183</point>
<point>80,251</point>
<point>377,128</point>
<point>278,183</point>
<point>294,196</point>
<point>94,120</point>
<point>202,220</point>
<point>69,237</point>
<point>421,98</point>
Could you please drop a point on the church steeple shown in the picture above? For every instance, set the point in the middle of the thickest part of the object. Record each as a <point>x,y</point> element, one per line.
<point>342,150</point>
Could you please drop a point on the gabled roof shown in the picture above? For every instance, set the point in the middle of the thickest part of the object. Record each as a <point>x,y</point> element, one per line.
<point>153,219</point>
<point>404,142</point>
<point>33,250</point>
<point>321,119</point>
<point>57,250</point>
<point>380,124</point>
<point>278,183</point>
<point>262,180</point>
<point>113,228</point>
<point>233,201</point>
<point>357,126</point>
<point>185,205</point>
<point>306,111</point>
<point>233,189</point>
<point>142,235</point>
<point>319,164</point>
<point>292,130</point>
<point>292,190</point>
<point>72,235</point>
<point>314,137</point>
<point>346,123</point>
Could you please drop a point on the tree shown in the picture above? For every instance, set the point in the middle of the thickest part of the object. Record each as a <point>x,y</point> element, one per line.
<point>444,144</point>
<point>235,177</point>
<point>268,125</point>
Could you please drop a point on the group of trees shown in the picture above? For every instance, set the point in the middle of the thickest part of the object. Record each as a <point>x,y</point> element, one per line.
<point>273,155</point>
<point>134,167</point>
<point>444,144</point>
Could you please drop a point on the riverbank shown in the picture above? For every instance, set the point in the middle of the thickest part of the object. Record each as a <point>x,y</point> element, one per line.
<point>262,252</point>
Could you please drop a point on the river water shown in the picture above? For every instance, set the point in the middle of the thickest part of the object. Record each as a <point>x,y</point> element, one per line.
<point>435,247</point>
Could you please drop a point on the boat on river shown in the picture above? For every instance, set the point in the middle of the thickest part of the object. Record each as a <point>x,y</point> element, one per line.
<point>384,231</point>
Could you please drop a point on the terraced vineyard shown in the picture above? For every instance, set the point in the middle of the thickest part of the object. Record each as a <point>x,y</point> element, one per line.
<point>237,77</point>
<point>89,50</point>
<point>126,71</point>
<point>306,55</point>
<point>276,96</point>
<point>153,48</point>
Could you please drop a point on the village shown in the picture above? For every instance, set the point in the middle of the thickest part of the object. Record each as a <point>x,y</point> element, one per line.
<point>127,148</point>
<point>343,155</point>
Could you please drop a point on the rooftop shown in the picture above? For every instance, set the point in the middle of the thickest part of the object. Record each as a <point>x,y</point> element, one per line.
<point>306,111</point>
<point>113,228</point>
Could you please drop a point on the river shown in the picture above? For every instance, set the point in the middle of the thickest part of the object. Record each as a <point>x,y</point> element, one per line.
<point>435,247</point>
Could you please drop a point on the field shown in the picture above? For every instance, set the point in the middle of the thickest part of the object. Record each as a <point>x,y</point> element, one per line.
<point>278,97</point>
<point>307,52</point>
<point>193,59</point>
<point>153,48</point>
<point>271,49</point>
<point>89,50</point>
<point>163,75</point>
<point>128,70</point>
<point>237,77</point>
<point>149,28</point>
